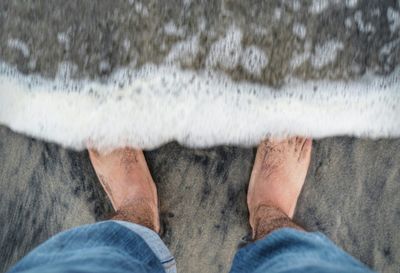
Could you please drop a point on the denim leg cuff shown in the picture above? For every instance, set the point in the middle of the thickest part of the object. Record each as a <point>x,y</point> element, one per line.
<point>154,241</point>
<point>291,250</point>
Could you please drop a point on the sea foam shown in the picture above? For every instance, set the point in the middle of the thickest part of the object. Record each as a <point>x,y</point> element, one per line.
<point>157,104</point>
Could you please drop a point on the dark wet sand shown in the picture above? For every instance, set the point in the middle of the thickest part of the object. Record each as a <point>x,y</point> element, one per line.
<point>352,194</point>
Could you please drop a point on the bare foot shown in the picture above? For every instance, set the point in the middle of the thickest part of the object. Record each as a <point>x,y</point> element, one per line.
<point>127,181</point>
<point>278,175</point>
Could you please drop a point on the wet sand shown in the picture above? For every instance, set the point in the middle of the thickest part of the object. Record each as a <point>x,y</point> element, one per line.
<point>352,194</point>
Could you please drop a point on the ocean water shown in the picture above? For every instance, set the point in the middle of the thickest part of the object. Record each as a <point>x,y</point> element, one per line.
<point>225,73</point>
<point>157,104</point>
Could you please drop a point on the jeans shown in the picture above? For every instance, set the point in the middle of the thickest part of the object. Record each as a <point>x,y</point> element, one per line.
<point>122,247</point>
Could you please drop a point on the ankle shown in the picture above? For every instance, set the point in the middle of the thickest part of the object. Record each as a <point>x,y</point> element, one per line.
<point>266,218</point>
<point>140,212</point>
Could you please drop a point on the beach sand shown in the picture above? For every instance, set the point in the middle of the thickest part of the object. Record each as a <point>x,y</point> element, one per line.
<point>352,194</point>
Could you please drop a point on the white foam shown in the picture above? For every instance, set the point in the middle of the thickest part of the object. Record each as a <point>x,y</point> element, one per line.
<point>351,3</point>
<point>171,29</point>
<point>277,13</point>
<point>140,8</point>
<point>64,39</point>
<point>227,50</point>
<point>185,51</point>
<point>295,4</point>
<point>157,104</point>
<point>318,6</point>
<point>126,44</point>
<point>362,26</point>
<point>299,59</point>
<point>299,30</point>
<point>254,60</point>
<point>393,17</point>
<point>326,53</point>
<point>66,70</point>
<point>348,22</point>
<point>387,49</point>
<point>19,45</point>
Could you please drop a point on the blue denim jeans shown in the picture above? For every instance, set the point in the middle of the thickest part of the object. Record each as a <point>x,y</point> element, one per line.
<point>122,247</point>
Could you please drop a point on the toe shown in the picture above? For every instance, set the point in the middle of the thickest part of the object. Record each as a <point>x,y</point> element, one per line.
<point>93,154</point>
<point>306,149</point>
<point>288,144</point>
<point>299,144</point>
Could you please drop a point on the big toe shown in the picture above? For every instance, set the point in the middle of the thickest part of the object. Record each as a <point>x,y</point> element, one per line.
<point>305,150</point>
<point>300,142</point>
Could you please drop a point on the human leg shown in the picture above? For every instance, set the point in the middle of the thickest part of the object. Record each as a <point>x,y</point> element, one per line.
<point>280,245</point>
<point>127,243</point>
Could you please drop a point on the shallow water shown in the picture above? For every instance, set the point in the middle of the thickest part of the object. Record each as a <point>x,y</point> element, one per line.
<point>207,73</point>
<point>142,73</point>
<point>159,104</point>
